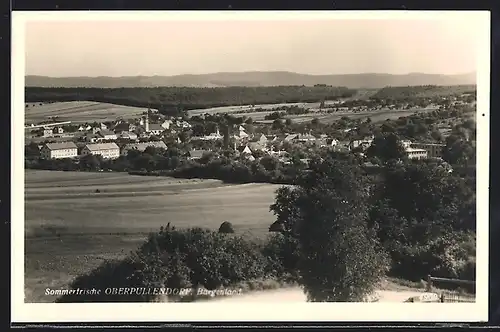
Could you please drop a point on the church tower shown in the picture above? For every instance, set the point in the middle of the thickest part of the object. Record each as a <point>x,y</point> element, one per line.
<point>146,126</point>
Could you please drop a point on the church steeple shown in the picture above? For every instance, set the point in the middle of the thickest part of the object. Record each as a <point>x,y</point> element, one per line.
<point>146,126</point>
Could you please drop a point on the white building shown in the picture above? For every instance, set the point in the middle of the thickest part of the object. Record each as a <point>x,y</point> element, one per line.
<point>58,130</point>
<point>242,134</point>
<point>106,135</point>
<point>247,153</point>
<point>106,150</point>
<point>212,136</point>
<point>434,150</point>
<point>155,129</point>
<point>416,153</point>
<point>59,150</point>
<point>128,135</point>
<point>47,132</point>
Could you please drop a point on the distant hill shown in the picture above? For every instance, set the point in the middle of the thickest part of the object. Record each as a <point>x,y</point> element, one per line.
<point>253,79</point>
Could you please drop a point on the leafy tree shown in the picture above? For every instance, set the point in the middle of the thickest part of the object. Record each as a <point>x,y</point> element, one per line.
<point>277,124</point>
<point>386,147</point>
<point>91,162</point>
<point>459,151</point>
<point>270,163</point>
<point>31,150</point>
<point>226,227</point>
<point>436,134</point>
<point>435,203</point>
<point>340,259</point>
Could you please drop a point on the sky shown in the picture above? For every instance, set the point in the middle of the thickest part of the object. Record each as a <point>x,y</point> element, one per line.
<point>309,46</point>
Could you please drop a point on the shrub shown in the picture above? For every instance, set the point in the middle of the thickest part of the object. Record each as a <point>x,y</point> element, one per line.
<point>283,256</point>
<point>445,256</point>
<point>226,227</point>
<point>188,258</point>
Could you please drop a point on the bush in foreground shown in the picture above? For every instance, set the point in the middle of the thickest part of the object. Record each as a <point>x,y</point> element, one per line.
<point>226,227</point>
<point>183,259</point>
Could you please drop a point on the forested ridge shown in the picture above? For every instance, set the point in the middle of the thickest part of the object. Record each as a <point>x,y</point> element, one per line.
<point>189,98</point>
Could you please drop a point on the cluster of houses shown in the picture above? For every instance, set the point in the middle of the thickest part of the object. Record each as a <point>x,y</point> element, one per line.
<point>105,150</point>
<point>99,141</point>
<point>244,144</point>
<point>119,129</point>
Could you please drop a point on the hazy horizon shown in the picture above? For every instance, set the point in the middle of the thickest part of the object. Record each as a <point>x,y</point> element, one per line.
<point>254,71</point>
<point>316,47</point>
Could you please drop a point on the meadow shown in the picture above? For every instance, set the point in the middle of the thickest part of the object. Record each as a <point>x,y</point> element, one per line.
<point>70,229</point>
<point>80,111</point>
<point>375,116</point>
<point>249,108</point>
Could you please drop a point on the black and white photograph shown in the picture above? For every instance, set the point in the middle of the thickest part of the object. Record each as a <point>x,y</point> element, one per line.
<point>239,162</point>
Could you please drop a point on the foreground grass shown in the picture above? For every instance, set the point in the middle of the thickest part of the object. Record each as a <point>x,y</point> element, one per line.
<point>70,230</point>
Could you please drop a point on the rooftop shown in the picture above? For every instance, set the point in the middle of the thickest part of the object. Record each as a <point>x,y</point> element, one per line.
<point>105,132</point>
<point>102,146</point>
<point>156,126</point>
<point>429,144</point>
<point>415,150</point>
<point>61,146</point>
<point>144,145</point>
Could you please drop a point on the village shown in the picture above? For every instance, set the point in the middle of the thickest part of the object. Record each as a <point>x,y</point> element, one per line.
<point>112,139</point>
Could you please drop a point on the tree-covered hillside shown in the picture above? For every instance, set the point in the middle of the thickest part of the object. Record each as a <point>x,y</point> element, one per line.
<point>189,98</point>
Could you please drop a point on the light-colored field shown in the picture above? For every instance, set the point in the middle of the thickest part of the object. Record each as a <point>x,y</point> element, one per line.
<point>70,228</point>
<point>249,108</point>
<point>376,116</point>
<point>80,111</point>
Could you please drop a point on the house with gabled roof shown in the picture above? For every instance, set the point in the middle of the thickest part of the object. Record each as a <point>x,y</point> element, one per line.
<point>128,135</point>
<point>156,129</point>
<point>246,152</point>
<point>105,135</point>
<point>59,150</point>
<point>106,150</point>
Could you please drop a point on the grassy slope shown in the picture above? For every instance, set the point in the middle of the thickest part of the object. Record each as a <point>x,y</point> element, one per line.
<point>70,229</point>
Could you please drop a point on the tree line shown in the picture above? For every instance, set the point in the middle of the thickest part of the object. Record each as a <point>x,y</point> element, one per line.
<point>171,100</point>
<point>423,91</point>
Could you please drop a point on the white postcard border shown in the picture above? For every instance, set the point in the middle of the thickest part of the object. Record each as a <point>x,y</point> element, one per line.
<point>213,311</point>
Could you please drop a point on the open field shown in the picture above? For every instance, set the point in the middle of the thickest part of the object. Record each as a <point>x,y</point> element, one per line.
<point>85,111</point>
<point>249,108</point>
<point>375,116</point>
<point>70,229</point>
<point>80,111</point>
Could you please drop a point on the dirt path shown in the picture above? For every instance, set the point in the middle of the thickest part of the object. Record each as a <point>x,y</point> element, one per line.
<point>297,295</point>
